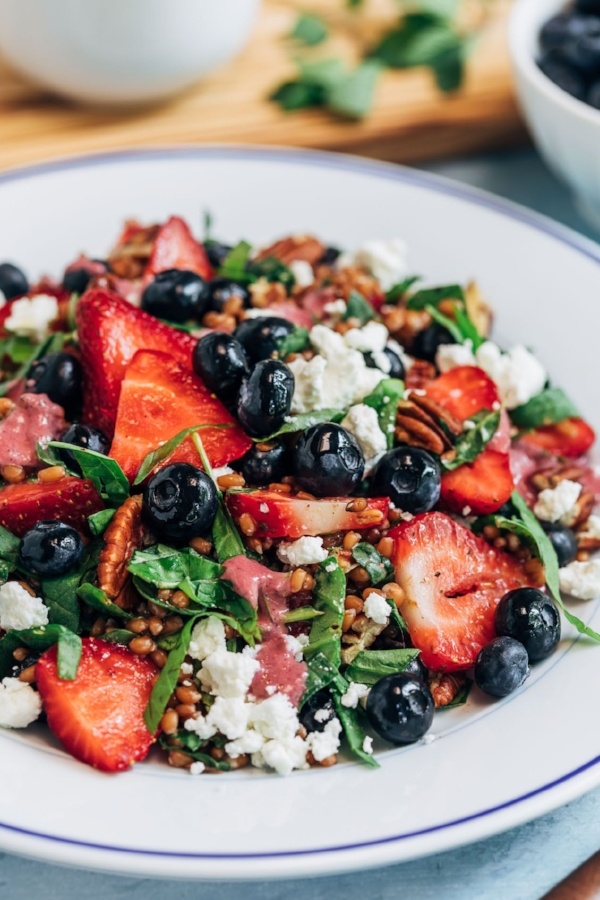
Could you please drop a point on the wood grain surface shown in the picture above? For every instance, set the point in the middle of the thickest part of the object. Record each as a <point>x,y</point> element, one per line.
<point>411,120</point>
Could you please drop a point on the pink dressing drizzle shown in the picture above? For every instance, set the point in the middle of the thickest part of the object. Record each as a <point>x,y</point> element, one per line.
<point>35,419</point>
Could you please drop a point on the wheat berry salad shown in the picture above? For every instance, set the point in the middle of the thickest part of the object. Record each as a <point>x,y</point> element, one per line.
<point>262,505</point>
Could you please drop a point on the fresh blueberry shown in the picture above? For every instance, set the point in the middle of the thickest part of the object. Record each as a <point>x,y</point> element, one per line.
<point>83,436</point>
<point>418,669</point>
<point>176,295</point>
<point>396,367</point>
<point>217,252</point>
<point>530,617</point>
<point>50,549</point>
<point>410,477</point>
<point>76,281</point>
<point>13,282</point>
<point>501,667</point>
<point>583,52</point>
<point>261,337</point>
<point>427,342</point>
<point>400,708</point>
<point>318,711</point>
<point>563,75</point>
<point>265,463</point>
<point>222,289</point>
<point>59,376</point>
<point>328,461</point>
<point>329,257</point>
<point>180,502</point>
<point>562,28</point>
<point>221,362</point>
<point>563,540</point>
<point>588,7</point>
<point>593,95</point>
<point>265,397</point>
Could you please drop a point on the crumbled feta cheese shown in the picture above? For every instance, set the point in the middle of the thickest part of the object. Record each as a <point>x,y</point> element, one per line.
<point>362,421</point>
<point>518,375</point>
<point>581,579</point>
<point>335,309</point>
<point>208,636</point>
<point>229,715</point>
<point>274,717</point>
<point>367,744</point>
<point>449,356</point>
<point>354,694</point>
<point>305,551</point>
<point>31,316</point>
<point>295,647</point>
<point>385,260</point>
<point>372,337</point>
<point>377,608</point>
<point>2,300</point>
<point>186,668</point>
<point>558,504</point>
<point>226,674</point>
<point>282,755</point>
<point>200,726</point>
<point>19,610</point>
<point>196,768</point>
<point>264,508</point>
<point>429,738</point>
<point>326,743</point>
<point>224,470</point>
<point>322,715</point>
<point>258,313</point>
<point>303,639</point>
<point>591,529</point>
<point>382,361</point>
<point>302,272</point>
<point>466,511</point>
<point>20,705</point>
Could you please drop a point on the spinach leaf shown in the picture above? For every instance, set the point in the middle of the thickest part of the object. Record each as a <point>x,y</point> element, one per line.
<point>327,82</point>
<point>291,95</point>
<point>52,344</point>
<point>150,461</point>
<point>294,342</point>
<point>474,441</point>
<point>551,405</point>
<point>167,680</point>
<point>225,535</point>
<point>384,400</point>
<point>150,592</point>
<point>398,291</point>
<point>321,674</point>
<point>379,568</point>
<point>301,614</point>
<point>309,29</point>
<point>328,594</point>
<point>449,324</point>
<point>371,665</point>
<point>396,617</point>
<point>98,522</point>
<point>106,474</point>
<point>9,553</point>
<point>190,743</point>
<point>273,270</point>
<point>358,307</point>
<point>434,296</point>
<point>167,568</point>
<point>60,594</point>
<point>244,616</point>
<point>97,599</point>
<point>40,639</point>
<point>303,421</point>
<point>353,730</point>
<point>118,636</point>
<point>234,264</point>
<point>467,328</point>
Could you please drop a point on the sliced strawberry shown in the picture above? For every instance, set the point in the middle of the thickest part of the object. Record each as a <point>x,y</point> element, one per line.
<point>463,391</point>
<point>277,515</point>
<point>501,440</point>
<point>453,581</point>
<point>287,309</point>
<point>159,398</point>
<point>481,486</point>
<point>111,331</point>
<point>572,437</point>
<point>175,247</point>
<point>70,500</point>
<point>99,716</point>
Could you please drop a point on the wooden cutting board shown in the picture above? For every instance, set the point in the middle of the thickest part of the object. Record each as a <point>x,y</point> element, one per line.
<point>410,121</point>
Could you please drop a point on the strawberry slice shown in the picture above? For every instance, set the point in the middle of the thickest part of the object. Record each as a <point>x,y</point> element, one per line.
<point>572,437</point>
<point>111,331</point>
<point>176,248</point>
<point>277,515</point>
<point>463,391</point>
<point>453,581</point>
<point>70,500</point>
<point>99,716</point>
<point>159,398</point>
<point>480,487</point>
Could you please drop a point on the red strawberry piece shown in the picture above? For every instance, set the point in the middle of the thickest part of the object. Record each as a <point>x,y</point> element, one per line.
<point>453,581</point>
<point>463,391</point>
<point>69,500</point>
<point>99,716</point>
<point>572,437</point>
<point>287,309</point>
<point>175,247</point>
<point>501,440</point>
<point>111,331</point>
<point>480,487</point>
<point>159,398</point>
<point>278,515</point>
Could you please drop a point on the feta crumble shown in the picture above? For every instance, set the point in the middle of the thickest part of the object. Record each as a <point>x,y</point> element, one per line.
<point>223,470</point>
<point>302,272</point>
<point>371,338</point>
<point>362,422</point>
<point>326,743</point>
<point>305,551</point>
<point>20,705</point>
<point>368,744</point>
<point>385,260</point>
<point>196,768</point>
<point>335,309</point>
<point>208,636</point>
<point>377,608</point>
<point>449,356</point>
<point>591,529</point>
<point>558,504</point>
<point>31,316</point>
<point>19,610</point>
<point>354,694</point>
<point>581,579</point>
<point>226,674</point>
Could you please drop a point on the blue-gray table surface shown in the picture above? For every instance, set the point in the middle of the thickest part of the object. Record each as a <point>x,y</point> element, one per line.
<point>521,864</point>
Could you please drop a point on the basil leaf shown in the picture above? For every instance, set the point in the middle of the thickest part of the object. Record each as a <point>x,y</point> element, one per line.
<point>242,611</point>
<point>97,599</point>
<point>234,264</point>
<point>326,631</point>
<point>302,614</point>
<point>167,680</point>
<point>52,344</point>
<point>384,400</point>
<point>408,44</point>
<point>274,270</point>
<point>118,636</point>
<point>358,307</point>
<point>9,553</point>
<point>467,329</point>
<point>550,406</point>
<point>378,567</point>
<point>321,674</point>
<point>326,73</point>
<point>460,699</point>
<point>309,29</point>
<point>353,730</point>
<point>166,567</point>
<point>470,444</point>
<point>150,592</point>
<point>371,665</point>
<point>434,296</point>
<point>98,522</point>
<point>398,291</point>
<point>105,473</point>
<point>353,97</point>
<point>303,421</point>
<point>396,616</point>
<point>449,66</point>
<point>293,95</point>
<point>165,450</point>
<point>226,538</point>
<point>191,744</point>
<point>296,341</point>
<point>17,348</point>
<point>40,639</point>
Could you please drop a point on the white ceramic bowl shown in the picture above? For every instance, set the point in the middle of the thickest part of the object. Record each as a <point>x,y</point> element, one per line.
<point>565,130</point>
<point>121,51</point>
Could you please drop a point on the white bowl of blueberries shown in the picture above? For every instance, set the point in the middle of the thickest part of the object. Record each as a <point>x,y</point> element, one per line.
<point>555,50</point>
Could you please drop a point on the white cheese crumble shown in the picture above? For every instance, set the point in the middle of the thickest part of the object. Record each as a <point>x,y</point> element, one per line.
<point>2,300</point>
<point>362,422</point>
<point>354,694</point>
<point>20,705</point>
<point>31,316</point>
<point>385,260</point>
<point>558,504</point>
<point>208,636</point>
<point>591,529</point>
<point>581,579</point>
<point>377,608</point>
<point>368,744</point>
<point>326,743</point>
<point>295,647</point>
<point>302,272</point>
<point>372,338</point>
<point>197,768</point>
<point>219,473</point>
<point>322,715</point>
<point>226,674</point>
<point>449,356</point>
<point>335,309</point>
<point>305,551</point>
<point>19,610</point>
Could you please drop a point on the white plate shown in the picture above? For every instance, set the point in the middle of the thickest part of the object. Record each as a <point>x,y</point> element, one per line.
<point>493,765</point>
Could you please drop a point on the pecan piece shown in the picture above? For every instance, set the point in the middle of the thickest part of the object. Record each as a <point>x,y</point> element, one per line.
<point>129,260</point>
<point>405,324</point>
<point>125,534</point>
<point>420,374</point>
<point>350,278</point>
<point>303,247</point>
<point>417,426</point>
<point>444,687</point>
<point>264,293</point>
<point>567,472</point>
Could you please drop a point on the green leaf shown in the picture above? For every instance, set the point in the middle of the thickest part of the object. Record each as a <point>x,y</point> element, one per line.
<point>328,598</point>
<point>118,636</point>
<point>353,97</point>
<point>226,538</point>
<point>461,698</point>
<point>384,400</point>
<point>551,405</point>
<point>234,264</point>
<point>9,553</point>
<point>17,348</point>
<point>449,324</point>
<point>434,296</point>
<point>327,73</point>
<point>52,344</point>
<point>106,474</point>
<point>295,341</point>
<point>40,639</point>
<point>301,614</point>
<point>474,441</point>
<point>97,599</point>
<point>244,616</point>
<point>353,730</point>
<point>309,29</point>
<point>150,461</point>
<point>303,421</point>
<point>467,329</point>
<point>379,568</point>
<point>372,665</point>
<point>274,270</point>
<point>398,291</point>
<point>60,594</point>
<point>449,66</point>
<point>292,95</point>
<point>358,307</point>
<point>167,680</point>
<point>99,521</point>
<point>321,674</point>
<point>167,568</point>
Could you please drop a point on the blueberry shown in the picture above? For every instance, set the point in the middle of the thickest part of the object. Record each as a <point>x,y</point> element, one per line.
<point>328,461</point>
<point>530,617</point>
<point>222,289</point>
<point>265,397</point>
<point>82,436</point>
<point>564,76</point>
<point>217,252</point>
<point>265,463</point>
<point>76,281</point>
<point>261,337</point>
<point>588,7</point>
<point>583,53</point>
<point>418,669</point>
<point>396,369</point>
<point>13,282</point>
<point>50,549</point>
<point>410,477</point>
<point>593,95</point>
<point>221,362</point>
<point>400,708</point>
<point>501,667</point>
<point>561,29</point>
<point>176,295</point>
<point>180,502</point>
<point>59,376</point>
<point>318,711</point>
<point>563,540</point>
<point>329,257</point>
<point>427,342</point>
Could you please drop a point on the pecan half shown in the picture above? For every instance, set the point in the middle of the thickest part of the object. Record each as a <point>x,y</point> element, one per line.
<point>125,534</point>
<point>296,247</point>
<point>129,260</point>
<point>405,324</point>
<point>264,293</point>
<point>417,424</point>
<point>444,687</point>
<point>567,472</point>
<point>350,278</point>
